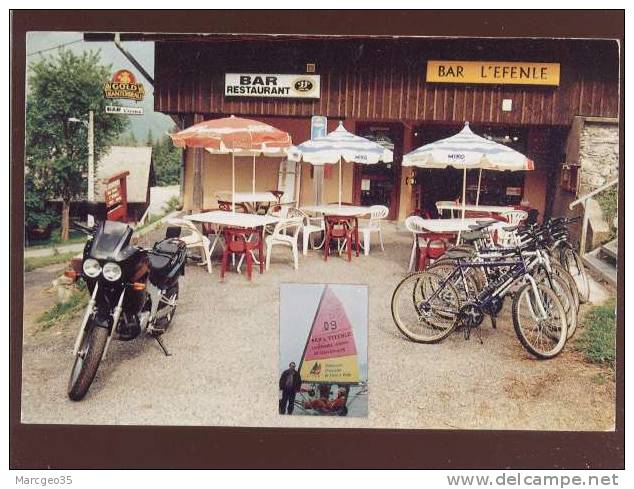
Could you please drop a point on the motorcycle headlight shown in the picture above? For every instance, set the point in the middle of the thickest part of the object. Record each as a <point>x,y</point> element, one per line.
<point>111,272</point>
<point>92,268</point>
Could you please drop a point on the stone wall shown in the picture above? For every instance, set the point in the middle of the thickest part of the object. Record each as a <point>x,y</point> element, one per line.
<point>598,154</point>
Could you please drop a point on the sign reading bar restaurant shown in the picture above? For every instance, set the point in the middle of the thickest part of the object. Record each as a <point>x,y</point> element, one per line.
<point>270,85</point>
<point>124,86</point>
<point>493,72</point>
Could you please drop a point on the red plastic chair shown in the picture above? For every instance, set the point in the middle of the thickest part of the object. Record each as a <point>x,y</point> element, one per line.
<point>225,205</point>
<point>425,214</point>
<point>277,194</point>
<point>433,247</point>
<point>242,242</point>
<point>342,227</point>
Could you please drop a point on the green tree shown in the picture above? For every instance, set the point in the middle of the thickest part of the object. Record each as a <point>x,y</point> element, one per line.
<point>62,87</point>
<point>167,161</point>
<point>150,138</point>
<point>126,139</point>
<point>36,212</point>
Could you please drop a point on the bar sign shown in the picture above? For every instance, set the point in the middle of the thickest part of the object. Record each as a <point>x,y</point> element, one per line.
<point>493,72</point>
<point>114,109</point>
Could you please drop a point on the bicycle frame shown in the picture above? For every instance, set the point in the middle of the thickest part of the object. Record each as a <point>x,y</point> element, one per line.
<point>499,287</point>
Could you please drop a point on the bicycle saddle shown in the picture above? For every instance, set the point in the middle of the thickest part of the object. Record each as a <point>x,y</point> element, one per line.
<point>470,236</point>
<point>480,225</point>
<point>455,254</point>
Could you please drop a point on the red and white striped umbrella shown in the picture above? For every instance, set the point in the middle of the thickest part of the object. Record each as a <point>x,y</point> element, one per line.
<point>235,136</point>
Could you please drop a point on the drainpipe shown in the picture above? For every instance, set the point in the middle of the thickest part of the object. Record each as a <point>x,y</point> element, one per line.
<point>132,59</point>
<point>148,77</point>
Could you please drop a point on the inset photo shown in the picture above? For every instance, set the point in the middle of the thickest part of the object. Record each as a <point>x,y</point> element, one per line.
<point>323,350</point>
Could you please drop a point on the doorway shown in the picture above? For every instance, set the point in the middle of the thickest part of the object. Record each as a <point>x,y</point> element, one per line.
<point>379,184</point>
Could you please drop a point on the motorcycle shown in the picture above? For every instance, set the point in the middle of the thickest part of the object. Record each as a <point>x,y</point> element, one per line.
<point>132,290</point>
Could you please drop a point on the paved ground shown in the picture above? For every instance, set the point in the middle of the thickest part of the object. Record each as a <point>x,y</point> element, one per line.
<point>224,341</point>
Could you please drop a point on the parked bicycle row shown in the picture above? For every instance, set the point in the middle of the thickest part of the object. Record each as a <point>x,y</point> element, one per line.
<point>535,266</point>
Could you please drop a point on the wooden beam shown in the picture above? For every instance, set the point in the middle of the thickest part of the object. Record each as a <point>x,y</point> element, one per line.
<point>198,192</point>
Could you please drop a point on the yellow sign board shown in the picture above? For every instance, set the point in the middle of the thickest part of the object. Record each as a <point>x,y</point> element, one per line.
<point>493,72</point>
<point>333,370</point>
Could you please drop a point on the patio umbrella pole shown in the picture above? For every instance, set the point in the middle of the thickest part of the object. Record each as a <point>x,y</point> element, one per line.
<point>464,191</point>
<point>233,183</point>
<point>479,181</point>
<point>340,181</point>
<point>298,171</point>
<point>253,177</point>
<point>464,197</point>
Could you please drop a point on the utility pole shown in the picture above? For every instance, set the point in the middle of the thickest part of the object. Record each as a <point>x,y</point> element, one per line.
<point>91,164</point>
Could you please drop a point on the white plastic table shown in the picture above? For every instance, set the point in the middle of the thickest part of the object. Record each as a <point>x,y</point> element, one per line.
<point>237,219</point>
<point>445,226</point>
<point>338,210</point>
<point>246,197</point>
<point>455,225</point>
<point>233,219</point>
<point>454,206</point>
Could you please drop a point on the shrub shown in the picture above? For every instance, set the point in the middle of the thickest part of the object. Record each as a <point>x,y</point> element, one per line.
<point>598,339</point>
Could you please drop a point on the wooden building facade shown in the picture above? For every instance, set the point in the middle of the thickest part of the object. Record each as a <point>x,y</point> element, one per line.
<point>378,88</point>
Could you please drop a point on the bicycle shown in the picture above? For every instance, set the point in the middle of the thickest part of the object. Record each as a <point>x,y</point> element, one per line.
<point>436,307</point>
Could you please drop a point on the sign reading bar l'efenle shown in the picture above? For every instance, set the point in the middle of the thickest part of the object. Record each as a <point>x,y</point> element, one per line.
<point>493,72</point>
<point>271,85</point>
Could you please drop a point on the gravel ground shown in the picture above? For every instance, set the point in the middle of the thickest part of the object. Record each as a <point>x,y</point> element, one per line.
<point>223,368</point>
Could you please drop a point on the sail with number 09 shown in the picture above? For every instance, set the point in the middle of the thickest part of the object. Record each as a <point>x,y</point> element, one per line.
<point>330,354</point>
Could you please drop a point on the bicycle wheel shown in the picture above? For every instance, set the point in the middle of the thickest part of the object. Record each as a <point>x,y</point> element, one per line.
<point>562,289</point>
<point>467,288</point>
<point>572,262</point>
<point>539,320</point>
<point>572,285</point>
<point>425,307</point>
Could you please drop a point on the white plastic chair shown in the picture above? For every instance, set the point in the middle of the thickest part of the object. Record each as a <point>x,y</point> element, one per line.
<point>414,226</point>
<point>195,239</point>
<point>513,218</point>
<point>442,203</point>
<point>310,225</point>
<point>377,213</point>
<point>285,233</point>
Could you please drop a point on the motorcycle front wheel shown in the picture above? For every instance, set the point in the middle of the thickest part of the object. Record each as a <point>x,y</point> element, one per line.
<point>87,361</point>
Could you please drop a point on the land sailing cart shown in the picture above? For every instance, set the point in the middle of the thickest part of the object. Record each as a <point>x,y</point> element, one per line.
<point>330,360</point>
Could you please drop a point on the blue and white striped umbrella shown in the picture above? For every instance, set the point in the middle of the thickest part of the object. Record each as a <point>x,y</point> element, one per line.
<point>340,145</point>
<point>337,145</point>
<point>467,150</point>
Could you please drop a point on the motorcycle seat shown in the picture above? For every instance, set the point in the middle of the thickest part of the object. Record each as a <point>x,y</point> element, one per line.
<point>170,249</point>
<point>159,264</point>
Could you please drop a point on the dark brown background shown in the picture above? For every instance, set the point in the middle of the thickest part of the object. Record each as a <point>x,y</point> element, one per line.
<point>76,447</point>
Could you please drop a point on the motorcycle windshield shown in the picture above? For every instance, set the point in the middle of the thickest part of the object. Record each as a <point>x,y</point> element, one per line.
<point>111,238</point>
